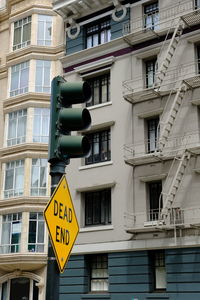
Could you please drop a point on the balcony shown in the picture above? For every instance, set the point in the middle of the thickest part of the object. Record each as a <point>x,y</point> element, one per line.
<point>139,153</point>
<point>149,221</point>
<point>138,89</point>
<point>164,21</point>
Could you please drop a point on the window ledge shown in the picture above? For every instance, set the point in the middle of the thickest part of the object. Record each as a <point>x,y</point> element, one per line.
<point>99,105</point>
<point>97,228</point>
<point>95,165</point>
<point>153,177</point>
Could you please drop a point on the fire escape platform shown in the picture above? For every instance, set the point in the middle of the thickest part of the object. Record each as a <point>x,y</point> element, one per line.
<point>140,36</point>
<point>192,18</point>
<point>193,82</point>
<point>144,95</point>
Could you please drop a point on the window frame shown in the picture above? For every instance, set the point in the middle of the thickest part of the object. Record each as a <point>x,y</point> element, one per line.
<point>197,4</point>
<point>18,70</point>
<point>154,189</point>
<point>16,116</point>
<point>155,257</point>
<point>43,114</point>
<point>101,260</point>
<point>99,200</point>
<point>97,83</point>
<point>96,140</point>
<point>151,11</point>
<point>38,167</point>
<point>14,165</point>
<point>100,26</point>
<point>44,71</point>
<point>33,288</point>
<point>11,219</point>
<point>37,245</point>
<point>17,25</point>
<point>155,131</point>
<point>44,41</point>
<point>150,71</point>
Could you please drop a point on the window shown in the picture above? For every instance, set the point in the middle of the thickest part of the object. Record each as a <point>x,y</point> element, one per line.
<point>22,33</point>
<point>39,177</point>
<point>42,76</point>
<point>100,147</point>
<point>100,87</point>
<point>98,273</point>
<point>36,233</point>
<point>151,16</point>
<point>155,200</point>
<point>197,4</point>
<point>11,233</point>
<point>4,291</point>
<point>98,207</point>
<point>44,30</point>
<point>20,288</point>
<point>16,127</point>
<point>150,66</point>
<point>19,79</point>
<point>41,125</point>
<point>98,33</point>
<point>153,134</point>
<point>157,262</point>
<point>14,179</point>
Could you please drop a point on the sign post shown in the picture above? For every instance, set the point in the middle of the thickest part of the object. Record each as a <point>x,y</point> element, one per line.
<point>59,213</point>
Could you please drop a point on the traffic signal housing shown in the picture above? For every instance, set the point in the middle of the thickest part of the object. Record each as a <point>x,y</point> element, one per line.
<point>64,119</point>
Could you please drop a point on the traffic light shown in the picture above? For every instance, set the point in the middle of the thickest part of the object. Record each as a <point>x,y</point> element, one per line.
<point>64,119</point>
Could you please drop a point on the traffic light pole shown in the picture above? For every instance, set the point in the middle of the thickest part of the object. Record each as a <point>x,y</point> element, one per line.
<point>57,170</point>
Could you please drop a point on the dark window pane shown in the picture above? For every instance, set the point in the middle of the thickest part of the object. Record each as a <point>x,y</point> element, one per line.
<point>153,133</point>
<point>19,288</point>
<point>100,147</point>
<point>100,87</point>
<point>155,203</point>
<point>98,207</point>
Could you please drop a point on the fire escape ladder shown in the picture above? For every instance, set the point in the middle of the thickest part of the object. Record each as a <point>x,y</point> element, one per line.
<point>161,72</point>
<point>165,128</point>
<point>173,182</point>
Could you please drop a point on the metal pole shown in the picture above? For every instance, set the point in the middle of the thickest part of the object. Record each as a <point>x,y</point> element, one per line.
<point>57,170</point>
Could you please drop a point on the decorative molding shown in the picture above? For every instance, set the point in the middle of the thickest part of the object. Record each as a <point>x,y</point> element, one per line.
<point>95,65</point>
<point>151,113</point>
<point>96,187</point>
<point>153,177</point>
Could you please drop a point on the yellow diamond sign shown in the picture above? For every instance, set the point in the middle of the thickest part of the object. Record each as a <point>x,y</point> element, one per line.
<point>62,223</point>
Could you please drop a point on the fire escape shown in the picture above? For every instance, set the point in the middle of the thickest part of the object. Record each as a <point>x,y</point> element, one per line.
<point>169,115</point>
<point>180,162</point>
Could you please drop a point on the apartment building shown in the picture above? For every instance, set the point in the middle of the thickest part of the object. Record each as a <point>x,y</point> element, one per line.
<point>30,49</point>
<point>137,194</point>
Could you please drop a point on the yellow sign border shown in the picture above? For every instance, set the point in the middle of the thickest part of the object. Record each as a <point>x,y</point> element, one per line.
<point>55,252</point>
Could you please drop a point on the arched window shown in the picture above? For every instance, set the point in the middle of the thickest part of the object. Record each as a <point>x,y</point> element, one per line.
<point>20,288</point>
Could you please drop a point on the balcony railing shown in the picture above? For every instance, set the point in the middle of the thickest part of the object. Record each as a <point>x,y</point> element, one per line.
<point>140,87</point>
<point>184,217</point>
<point>173,145</point>
<point>9,248</point>
<point>165,18</point>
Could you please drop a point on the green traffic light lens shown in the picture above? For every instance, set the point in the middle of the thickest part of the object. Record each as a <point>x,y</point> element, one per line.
<point>74,146</point>
<point>74,119</point>
<point>75,92</point>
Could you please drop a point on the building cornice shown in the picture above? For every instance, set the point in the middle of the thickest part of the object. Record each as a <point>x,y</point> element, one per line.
<point>25,99</point>
<point>22,151</point>
<point>53,53</point>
